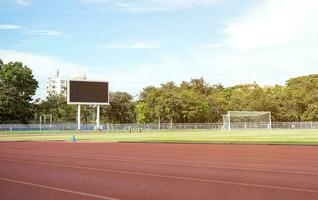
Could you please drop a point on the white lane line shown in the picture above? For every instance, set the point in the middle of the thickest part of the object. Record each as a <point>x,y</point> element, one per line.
<point>179,164</point>
<point>56,189</point>
<point>199,158</point>
<point>168,176</point>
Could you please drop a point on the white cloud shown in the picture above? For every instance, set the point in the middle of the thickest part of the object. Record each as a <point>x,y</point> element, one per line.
<point>269,44</point>
<point>131,80</point>
<point>42,65</point>
<point>264,66</point>
<point>23,2</point>
<point>152,5</point>
<point>136,45</point>
<point>9,27</point>
<point>98,1</point>
<point>139,76</point>
<point>215,45</point>
<point>43,32</point>
<point>232,67</point>
<point>274,22</point>
<point>78,12</point>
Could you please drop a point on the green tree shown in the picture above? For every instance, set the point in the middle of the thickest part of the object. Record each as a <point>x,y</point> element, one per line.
<point>150,106</point>
<point>171,103</point>
<point>311,113</point>
<point>217,103</point>
<point>194,107</point>
<point>198,85</point>
<point>17,87</point>
<point>196,101</point>
<point>303,96</point>
<point>56,106</point>
<point>121,108</point>
<point>141,112</point>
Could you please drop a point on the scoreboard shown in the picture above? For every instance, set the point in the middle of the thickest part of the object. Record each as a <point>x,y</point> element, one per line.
<point>87,92</point>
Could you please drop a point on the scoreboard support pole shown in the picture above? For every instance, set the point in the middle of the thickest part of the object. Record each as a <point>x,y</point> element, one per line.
<point>97,117</point>
<point>83,92</point>
<point>79,117</point>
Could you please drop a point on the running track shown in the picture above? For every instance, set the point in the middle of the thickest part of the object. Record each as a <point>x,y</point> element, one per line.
<point>61,170</point>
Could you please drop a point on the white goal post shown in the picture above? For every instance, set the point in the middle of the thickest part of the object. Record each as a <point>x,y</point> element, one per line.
<point>247,120</point>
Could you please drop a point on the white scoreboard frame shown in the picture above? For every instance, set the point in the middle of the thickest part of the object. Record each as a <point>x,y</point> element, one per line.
<point>85,103</point>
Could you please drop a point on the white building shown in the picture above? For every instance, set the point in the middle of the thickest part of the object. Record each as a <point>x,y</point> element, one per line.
<point>78,76</point>
<point>56,85</point>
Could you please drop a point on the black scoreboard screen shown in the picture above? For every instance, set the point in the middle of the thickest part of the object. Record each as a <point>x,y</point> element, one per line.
<point>87,92</point>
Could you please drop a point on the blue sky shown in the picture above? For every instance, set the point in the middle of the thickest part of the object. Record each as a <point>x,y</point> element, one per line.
<point>137,43</point>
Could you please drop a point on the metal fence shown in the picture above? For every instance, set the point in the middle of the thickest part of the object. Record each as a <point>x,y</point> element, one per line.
<point>156,126</point>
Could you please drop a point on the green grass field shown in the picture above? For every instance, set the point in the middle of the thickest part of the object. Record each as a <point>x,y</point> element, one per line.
<point>249,137</point>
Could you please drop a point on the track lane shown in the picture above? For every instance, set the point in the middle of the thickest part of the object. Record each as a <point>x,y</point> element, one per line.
<point>182,177</point>
<point>257,164</point>
<point>56,189</point>
<point>211,164</point>
<point>129,185</point>
<point>152,161</point>
<point>307,180</point>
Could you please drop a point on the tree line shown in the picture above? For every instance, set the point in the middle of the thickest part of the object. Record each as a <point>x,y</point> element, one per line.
<point>193,101</point>
<point>197,101</point>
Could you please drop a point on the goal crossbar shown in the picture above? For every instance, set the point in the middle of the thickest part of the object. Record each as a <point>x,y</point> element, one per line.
<point>246,120</point>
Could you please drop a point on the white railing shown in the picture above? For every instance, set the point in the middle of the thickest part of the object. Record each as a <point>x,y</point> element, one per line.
<point>156,126</point>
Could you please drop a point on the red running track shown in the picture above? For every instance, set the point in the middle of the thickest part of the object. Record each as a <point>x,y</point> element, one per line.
<point>58,170</point>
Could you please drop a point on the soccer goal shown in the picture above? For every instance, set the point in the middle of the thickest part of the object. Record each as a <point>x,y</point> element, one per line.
<point>246,120</point>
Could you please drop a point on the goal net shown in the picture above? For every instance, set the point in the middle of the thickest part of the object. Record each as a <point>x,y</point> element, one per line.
<point>246,120</point>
